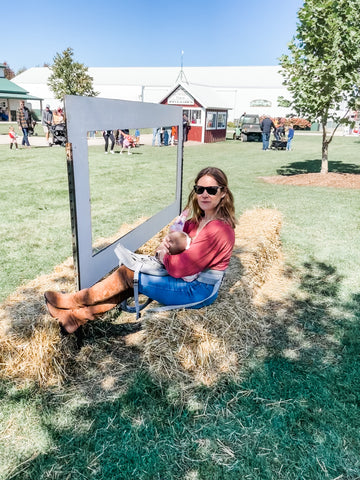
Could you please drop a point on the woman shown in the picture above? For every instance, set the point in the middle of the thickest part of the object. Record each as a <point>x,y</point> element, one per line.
<point>211,229</point>
<point>58,116</point>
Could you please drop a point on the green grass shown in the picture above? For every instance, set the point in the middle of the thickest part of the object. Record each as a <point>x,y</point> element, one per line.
<point>126,195</point>
<point>4,129</point>
<point>294,413</point>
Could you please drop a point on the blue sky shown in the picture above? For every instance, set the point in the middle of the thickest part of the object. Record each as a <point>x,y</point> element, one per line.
<point>149,33</point>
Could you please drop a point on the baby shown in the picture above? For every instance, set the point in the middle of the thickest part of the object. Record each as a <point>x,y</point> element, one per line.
<point>178,242</point>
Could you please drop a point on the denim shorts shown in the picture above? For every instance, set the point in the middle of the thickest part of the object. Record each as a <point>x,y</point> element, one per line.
<point>168,290</point>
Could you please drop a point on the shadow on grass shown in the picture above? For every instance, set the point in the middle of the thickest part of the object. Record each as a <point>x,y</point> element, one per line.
<point>314,166</point>
<point>295,416</point>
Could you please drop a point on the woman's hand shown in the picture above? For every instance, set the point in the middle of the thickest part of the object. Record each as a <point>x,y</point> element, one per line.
<point>160,254</point>
<point>163,249</point>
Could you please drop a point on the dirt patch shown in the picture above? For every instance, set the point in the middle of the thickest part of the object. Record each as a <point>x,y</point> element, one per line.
<point>335,180</point>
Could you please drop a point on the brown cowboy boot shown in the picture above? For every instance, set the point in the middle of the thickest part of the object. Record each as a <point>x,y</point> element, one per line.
<point>119,281</point>
<point>71,320</point>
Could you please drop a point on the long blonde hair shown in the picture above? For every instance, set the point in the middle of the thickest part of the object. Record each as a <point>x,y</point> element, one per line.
<point>225,210</point>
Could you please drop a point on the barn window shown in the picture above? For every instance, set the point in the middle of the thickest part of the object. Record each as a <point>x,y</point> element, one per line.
<point>194,115</point>
<point>211,120</point>
<point>221,120</point>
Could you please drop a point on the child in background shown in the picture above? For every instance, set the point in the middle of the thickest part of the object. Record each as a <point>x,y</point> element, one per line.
<point>290,137</point>
<point>173,134</point>
<point>127,143</point>
<point>137,137</point>
<point>13,138</point>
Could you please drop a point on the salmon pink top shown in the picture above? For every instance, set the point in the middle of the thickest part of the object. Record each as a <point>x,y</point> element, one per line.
<point>211,248</point>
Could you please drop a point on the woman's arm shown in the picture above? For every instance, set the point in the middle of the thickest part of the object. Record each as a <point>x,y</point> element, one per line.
<point>161,251</point>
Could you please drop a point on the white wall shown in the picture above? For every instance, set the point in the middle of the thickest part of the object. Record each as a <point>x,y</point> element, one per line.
<point>238,86</point>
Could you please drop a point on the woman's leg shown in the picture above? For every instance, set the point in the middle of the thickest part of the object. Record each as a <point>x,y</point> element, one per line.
<point>168,290</point>
<point>118,282</point>
<point>71,320</point>
<point>112,138</point>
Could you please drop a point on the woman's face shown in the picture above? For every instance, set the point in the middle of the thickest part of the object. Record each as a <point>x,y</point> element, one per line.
<point>208,203</point>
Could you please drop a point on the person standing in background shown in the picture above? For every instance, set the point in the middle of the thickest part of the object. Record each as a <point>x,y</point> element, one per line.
<point>266,125</point>
<point>291,133</point>
<point>47,120</point>
<point>185,127</point>
<point>109,135</point>
<point>24,122</point>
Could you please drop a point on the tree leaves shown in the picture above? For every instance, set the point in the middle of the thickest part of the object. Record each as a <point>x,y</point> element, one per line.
<point>69,77</point>
<point>322,69</point>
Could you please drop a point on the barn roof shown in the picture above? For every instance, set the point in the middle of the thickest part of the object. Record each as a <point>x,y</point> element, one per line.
<point>236,86</point>
<point>206,96</point>
<point>243,77</point>
<point>9,89</point>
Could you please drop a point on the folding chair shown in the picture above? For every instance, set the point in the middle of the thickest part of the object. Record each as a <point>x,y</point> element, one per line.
<point>213,277</point>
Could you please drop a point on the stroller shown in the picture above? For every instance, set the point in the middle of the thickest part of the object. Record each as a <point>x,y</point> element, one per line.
<point>278,144</point>
<point>58,133</point>
<point>31,128</point>
<point>280,141</point>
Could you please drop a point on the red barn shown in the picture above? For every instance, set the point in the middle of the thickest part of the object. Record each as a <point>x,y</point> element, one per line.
<point>204,109</point>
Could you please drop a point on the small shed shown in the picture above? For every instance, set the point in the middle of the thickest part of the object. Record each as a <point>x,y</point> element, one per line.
<point>11,94</point>
<point>207,115</point>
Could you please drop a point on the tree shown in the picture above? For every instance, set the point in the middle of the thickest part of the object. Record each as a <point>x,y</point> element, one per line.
<point>21,70</point>
<point>322,71</point>
<point>283,102</point>
<point>69,77</point>
<point>9,73</point>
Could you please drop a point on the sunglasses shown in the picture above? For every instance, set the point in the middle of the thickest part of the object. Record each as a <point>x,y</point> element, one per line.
<point>210,190</point>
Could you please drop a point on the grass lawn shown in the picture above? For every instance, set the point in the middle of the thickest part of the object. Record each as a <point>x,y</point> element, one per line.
<point>293,414</point>
<point>4,129</point>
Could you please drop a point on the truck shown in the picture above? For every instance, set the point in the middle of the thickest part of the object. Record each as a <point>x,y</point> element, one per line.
<point>248,128</point>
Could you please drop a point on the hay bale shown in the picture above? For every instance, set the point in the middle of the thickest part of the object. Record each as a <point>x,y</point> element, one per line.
<point>258,239</point>
<point>31,347</point>
<point>201,346</point>
<point>37,357</point>
<point>189,346</point>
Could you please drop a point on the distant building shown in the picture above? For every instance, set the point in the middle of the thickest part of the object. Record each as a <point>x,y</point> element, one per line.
<point>240,89</point>
<point>204,109</point>
<point>11,94</point>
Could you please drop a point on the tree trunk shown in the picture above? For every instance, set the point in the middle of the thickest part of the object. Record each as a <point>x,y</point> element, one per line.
<point>324,151</point>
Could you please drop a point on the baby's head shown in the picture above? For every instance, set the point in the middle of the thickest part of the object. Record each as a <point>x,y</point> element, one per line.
<point>179,241</point>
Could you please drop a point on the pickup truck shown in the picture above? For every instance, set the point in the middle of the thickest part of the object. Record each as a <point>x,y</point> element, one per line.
<point>249,127</point>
